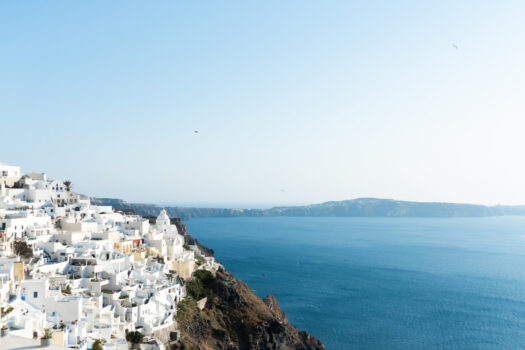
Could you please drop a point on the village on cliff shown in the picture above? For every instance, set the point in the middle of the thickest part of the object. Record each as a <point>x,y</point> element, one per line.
<point>77,275</point>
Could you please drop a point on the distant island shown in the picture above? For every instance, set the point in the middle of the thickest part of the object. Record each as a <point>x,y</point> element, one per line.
<point>360,207</point>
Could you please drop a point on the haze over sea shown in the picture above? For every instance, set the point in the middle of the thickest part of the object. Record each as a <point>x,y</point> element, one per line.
<point>384,283</point>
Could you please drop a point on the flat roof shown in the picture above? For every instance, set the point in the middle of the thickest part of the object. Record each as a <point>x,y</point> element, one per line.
<point>14,342</point>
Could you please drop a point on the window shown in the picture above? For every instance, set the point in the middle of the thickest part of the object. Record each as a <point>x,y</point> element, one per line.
<point>35,294</point>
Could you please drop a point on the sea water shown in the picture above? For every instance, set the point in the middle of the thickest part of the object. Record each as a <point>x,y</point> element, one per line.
<point>384,283</point>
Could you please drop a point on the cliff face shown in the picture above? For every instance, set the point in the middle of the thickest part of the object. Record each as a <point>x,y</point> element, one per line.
<point>234,318</point>
<point>176,212</point>
<point>181,227</point>
<point>369,207</point>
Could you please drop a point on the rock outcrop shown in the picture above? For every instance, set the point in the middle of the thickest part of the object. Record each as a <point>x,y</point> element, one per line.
<point>181,227</point>
<point>236,319</point>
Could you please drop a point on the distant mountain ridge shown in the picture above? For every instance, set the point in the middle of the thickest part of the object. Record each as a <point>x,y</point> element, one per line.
<point>359,207</point>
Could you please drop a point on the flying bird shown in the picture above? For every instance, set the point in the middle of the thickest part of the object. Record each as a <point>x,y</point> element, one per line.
<point>455,46</point>
<point>196,131</point>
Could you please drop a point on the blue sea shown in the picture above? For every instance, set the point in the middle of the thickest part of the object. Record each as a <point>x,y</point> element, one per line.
<point>384,283</point>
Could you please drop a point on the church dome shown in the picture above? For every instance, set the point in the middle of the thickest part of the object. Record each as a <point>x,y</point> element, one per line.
<point>163,218</point>
<point>163,215</point>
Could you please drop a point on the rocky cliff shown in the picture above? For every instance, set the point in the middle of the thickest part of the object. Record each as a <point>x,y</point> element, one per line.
<point>181,227</point>
<point>369,207</point>
<point>176,212</point>
<point>234,318</point>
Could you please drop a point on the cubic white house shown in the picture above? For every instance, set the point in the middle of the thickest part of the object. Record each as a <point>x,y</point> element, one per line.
<point>72,272</point>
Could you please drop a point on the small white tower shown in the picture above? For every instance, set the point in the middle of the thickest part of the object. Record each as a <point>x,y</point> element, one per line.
<point>163,220</point>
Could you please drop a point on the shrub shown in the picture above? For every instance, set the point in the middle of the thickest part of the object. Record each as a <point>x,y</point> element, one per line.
<point>67,290</point>
<point>6,311</point>
<point>47,334</point>
<point>98,344</point>
<point>134,337</point>
<point>200,259</point>
<point>195,289</point>
<point>200,286</point>
<point>185,309</point>
<point>23,250</point>
<point>206,277</point>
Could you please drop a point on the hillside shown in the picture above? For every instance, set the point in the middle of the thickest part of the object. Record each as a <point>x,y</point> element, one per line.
<point>365,207</point>
<point>233,317</point>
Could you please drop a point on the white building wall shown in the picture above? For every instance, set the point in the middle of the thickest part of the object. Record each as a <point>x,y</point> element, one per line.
<point>39,196</point>
<point>9,174</point>
<point>37,176</point>
<point>68,308</point>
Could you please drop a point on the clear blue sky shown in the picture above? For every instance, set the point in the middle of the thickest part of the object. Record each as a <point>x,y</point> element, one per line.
<point>327,100</point>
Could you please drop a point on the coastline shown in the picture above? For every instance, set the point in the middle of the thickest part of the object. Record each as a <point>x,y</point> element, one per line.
<point>235,318</point>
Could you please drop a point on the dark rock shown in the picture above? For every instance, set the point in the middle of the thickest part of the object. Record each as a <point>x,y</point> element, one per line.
<point>181,227</point>
<point>239,320</point>
<point>273,305</point>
